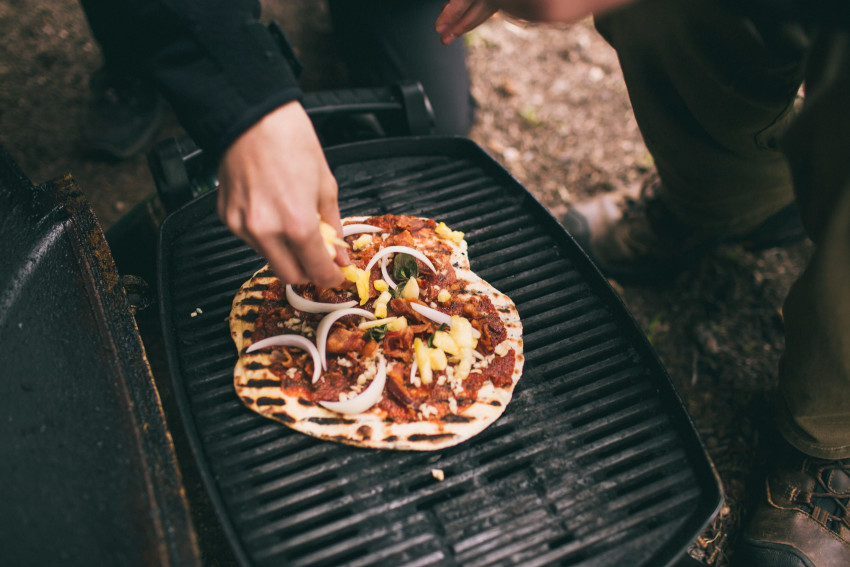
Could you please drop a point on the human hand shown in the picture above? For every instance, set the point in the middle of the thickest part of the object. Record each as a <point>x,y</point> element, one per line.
<point>273,180</point>
<point>461,16</point>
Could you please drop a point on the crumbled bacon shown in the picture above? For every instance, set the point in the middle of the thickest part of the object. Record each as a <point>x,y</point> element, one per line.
<point>402,307</point>
<point>485,341</point>
<point>395,385</point>
<point>423,328</point>
<point>398,344</point>
<point>404,239</point>
<point>369,349</point>
<point>413,224</point>
<point>330,385</point>
<point>470,310</point>
<point>342,340</point>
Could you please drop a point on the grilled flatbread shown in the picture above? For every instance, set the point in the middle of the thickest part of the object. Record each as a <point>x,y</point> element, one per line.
<point>445,380</point>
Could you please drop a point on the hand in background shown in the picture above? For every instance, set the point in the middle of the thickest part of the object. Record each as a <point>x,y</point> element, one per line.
<point>274,185</point>
<point>461,16</point>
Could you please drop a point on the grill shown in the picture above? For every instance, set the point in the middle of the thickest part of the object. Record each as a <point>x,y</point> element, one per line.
<point>88,474</point>
<point>594,462</point>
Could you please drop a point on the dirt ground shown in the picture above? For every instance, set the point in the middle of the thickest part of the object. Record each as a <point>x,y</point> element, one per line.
<point>554,110</point>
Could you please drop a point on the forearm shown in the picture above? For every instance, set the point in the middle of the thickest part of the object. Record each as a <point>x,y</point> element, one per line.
<point>460,16</point>
<point>213,60</point>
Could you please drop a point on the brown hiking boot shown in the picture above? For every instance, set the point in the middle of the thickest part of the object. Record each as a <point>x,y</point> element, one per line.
<point>803,518</point>
<point>637,239</point>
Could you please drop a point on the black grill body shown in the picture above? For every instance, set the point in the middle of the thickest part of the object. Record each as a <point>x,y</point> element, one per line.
<point>594,462</point>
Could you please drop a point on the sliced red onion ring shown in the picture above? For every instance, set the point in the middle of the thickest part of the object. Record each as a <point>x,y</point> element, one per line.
<point>350,229</point>
<point>386,274</point>
<point>291,340</point>
<point>324,327</point>
<point>367,398</point>
<point>433,314</point>
<point>309,306</point>
<point>401,250</point>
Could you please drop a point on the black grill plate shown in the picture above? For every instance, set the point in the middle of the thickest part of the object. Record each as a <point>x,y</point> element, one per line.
<point>595,461</point>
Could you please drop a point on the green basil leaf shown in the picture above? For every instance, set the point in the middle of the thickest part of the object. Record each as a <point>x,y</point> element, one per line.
<point>375,333</point>
<point>404,268</point>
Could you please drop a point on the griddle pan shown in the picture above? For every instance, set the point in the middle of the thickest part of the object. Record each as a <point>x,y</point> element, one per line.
<point>594,462</point>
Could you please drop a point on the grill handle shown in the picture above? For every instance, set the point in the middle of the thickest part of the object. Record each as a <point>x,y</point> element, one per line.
<point>402,109</point>
<point>182,171</point>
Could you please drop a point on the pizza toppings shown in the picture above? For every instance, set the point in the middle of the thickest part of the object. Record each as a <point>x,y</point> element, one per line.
<point>331,238</point>
<point>325,326</point>
<point>362,242</point>
<point>433,314</point>
<point>444,231</point>
<point>367,398</point>
<point>308,306</point>
<point>359,228</point>
<point>387,279</point>
<point>291,340</point>
<point>422,345</point>
<point>403,249</point>
<point>360,278</point>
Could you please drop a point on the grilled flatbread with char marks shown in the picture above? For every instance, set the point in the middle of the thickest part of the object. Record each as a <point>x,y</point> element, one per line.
<point>456,405</point>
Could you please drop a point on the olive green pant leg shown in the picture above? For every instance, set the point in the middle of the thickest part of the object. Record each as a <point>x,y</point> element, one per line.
<point>814,373</point>
<point>711,94</point>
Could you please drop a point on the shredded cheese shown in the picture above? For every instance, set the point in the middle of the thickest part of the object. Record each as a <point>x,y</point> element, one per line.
<point>331,238</point>
<point>423,360</point>
<point>381,304</point>
<point>411,289</point>
<point>443,231</point>
<point>362,242</point>
<point>361,278</point>
<point>376,323</point>
<point>399,324</point>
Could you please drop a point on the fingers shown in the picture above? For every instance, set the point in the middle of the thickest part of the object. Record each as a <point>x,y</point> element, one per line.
<point>329,212</point>
<point>281,262</point>
<point>295,250</point>
<point>274,204</point>
<point>308,247</point>
<point>461,16</point>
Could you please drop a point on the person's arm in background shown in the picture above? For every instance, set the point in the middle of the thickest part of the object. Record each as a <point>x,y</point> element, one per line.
<point>234,92</point>
<point>461,16</point>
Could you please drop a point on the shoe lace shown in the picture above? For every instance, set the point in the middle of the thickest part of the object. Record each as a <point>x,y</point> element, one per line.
<point>833,504</point>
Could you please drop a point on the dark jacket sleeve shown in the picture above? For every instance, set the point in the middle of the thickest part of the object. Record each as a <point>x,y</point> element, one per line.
<point>213,60</point>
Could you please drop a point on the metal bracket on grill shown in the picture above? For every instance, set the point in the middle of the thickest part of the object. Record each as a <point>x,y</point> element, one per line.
<point>139,293</point>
